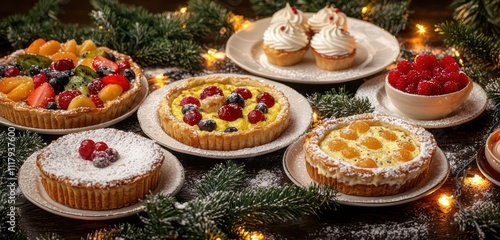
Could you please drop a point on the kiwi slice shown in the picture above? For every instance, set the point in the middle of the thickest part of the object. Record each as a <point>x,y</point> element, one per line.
<point>86,72</point>
<point>78,83</point>
<point>28,60</point>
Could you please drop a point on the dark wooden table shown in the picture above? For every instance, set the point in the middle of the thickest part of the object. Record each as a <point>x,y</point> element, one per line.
<point>421,219</point>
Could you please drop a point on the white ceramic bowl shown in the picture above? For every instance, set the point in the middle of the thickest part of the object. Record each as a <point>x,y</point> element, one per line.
<point>426,107</point>
<point>492,150</point>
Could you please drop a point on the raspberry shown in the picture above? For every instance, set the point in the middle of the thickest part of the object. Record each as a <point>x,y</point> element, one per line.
<point>101,159</point>
<point>65,97</point>
<point>192,117</point>
<point>230,112</point>
<point>95,86</point>
<point>450,87</point>
<point>244,92</point>
<point>412,88</point>
<point>113,154</point>
<point>452,68</point>
<point>393,77</point>
<point>425,74</point>
<point>100,146</point>
<point>190,99</point>
<point>97,101</point>
<point>62,65</point>
<point>210,91</point>
<point>426,62</point>
<point>86,149</point>
<point>463,80</point>
<point>404,66</point>
<point>401,83</point>
<point>11,71</point>
<point>256,116</point>
<point>266,98</point>
<point>446,60</point>
<point>454,77</point>
<point>424,88</point>
<point>413,76</point>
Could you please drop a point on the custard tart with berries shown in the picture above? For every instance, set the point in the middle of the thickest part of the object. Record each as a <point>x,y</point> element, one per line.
<point>100,169</point>
<point>224,113</point>
<point>368,154</point>
<point>53,85</point>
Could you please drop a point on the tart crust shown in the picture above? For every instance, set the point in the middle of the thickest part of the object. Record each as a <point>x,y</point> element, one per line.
<point>222,141</point>
<point>353,180</point>
<point>282,57</point>
<point>98,195</point>
<point>334,63</point>
<point>22,114</point>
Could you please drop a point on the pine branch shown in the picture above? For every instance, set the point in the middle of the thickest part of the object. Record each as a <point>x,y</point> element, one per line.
<point>210,19</point>
<point>482,15</point>
<point>485,219</point>
<point>338,103</point>
<point>223,177</point>
<point>480,50</point>
<point>163,216</point>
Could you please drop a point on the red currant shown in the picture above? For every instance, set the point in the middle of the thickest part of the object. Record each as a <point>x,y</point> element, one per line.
<point>190,99</point>
<point>244,92</point>
<point>256,116</point>
<point>39,79</point>
<point>192,117</point>
<point>62,65</point>
<point>86,149</point>
<point>211,91</point>
<point>11,71</point>
<point>230,112</point>
<point>266,98</point>
<point>100,146</point>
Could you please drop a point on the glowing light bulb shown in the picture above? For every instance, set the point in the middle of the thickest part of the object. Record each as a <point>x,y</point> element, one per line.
<point>364,10</point>
<point>420,28</point>
<point>183,10</point>
<point>445,200</point>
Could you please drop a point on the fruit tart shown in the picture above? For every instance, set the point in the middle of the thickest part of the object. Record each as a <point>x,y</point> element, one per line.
<point>224,113</point>
<point>100,169</point>
<point>368,154</point>
<point>53,85</point>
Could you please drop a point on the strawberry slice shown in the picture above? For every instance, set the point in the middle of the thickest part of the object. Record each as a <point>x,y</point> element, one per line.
<point>117,79</point>
<point>41,96</point>
<point>99,61</point>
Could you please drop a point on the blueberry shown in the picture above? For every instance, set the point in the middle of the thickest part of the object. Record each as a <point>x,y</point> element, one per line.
<point>236,98</point>
<point>56,86</point>
<point>188,107</point>
<point>104,71</point>
<point>63,78</point>
<point>207,125</point>
<point>34,70</point>
<point>129,74</point>
<point>51,106</point>
<point>2,70</point>
<point>262,107</point>
<point>230,129</point>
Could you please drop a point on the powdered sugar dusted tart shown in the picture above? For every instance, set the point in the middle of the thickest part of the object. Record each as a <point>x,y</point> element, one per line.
<point>75,182</point>
<point>227,120</point>
<point>18,111</point>
<point>368,154</point>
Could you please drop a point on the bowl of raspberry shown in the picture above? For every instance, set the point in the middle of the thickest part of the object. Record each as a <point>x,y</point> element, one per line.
<point>427,88</point>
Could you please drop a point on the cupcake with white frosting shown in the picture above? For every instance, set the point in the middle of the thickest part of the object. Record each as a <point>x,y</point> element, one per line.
<point>292,14</point>
<point>284,43</point>
<point>333,48</point>
<point>325,17</point>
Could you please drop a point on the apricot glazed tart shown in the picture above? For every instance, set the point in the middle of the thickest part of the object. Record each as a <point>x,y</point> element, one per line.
<point>368,154</point>
<point>101,169</point>
<point>52,85</point>
<point>224,113</point>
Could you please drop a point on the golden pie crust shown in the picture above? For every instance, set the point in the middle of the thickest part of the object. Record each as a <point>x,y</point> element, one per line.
<point>282,57</point>
<point>218,140</point>
<point>22,114</point>
<point>348,178</point>
<point>65,182</point>
<point>334,63</point>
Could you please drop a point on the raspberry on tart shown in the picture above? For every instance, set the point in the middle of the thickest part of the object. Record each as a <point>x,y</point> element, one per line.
<point>235,113</point>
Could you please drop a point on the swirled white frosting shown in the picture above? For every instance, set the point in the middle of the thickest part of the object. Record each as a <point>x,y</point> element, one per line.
<point>333,41</point>
<point>285,36</point>
<point>292,14</point>
<point>327,16</point>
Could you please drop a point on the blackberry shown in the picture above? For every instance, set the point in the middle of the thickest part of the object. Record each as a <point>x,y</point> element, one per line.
<point>236,98</point>
<point>230,129</point>
<point>262,107</point>
<point>113,154</point>
<point>101,162</point>
<point>188,107</point>
<point>207,125</point>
